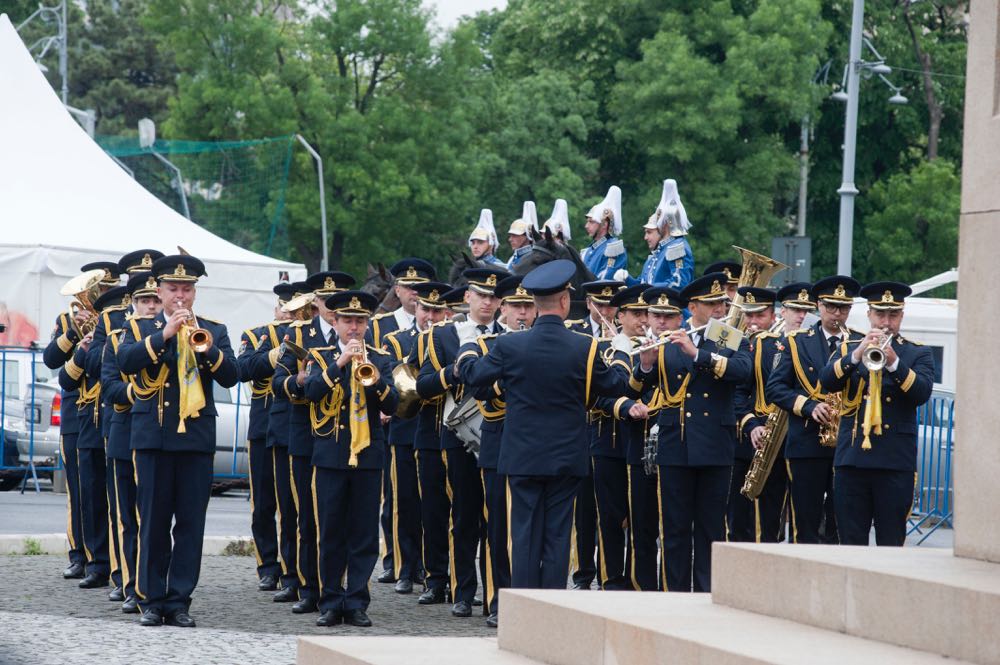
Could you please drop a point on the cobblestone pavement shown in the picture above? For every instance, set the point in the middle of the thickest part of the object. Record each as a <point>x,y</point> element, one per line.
<point>46,619</point>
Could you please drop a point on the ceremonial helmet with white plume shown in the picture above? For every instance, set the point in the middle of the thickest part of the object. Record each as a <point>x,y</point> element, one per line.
<point>558,223</point>
<point>485,230</point>
<point>670,217</point>
<point>528,220</point>
<point>609,210</point>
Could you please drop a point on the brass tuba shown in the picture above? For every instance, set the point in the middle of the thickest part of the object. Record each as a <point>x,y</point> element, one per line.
<point>757,271</point>
<point>85,289</point>
<point>405,377</point>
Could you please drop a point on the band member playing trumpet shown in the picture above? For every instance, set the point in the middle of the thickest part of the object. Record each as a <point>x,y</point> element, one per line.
<point>697,434</point>
<point>795,387</point>
<point>173,438</point>
<point>886,378</point>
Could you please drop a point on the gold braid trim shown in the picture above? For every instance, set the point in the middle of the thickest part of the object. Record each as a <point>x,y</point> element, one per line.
<point>327,409</point>
<point>666,400</point>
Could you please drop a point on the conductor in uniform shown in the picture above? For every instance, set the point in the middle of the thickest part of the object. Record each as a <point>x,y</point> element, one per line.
<point>173,437</point>
<point>543,449</point>
<point>876,458</point>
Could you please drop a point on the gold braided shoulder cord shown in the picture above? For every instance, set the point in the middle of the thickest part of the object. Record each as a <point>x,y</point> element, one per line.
<point>327,409</point>
<point>666,400</point>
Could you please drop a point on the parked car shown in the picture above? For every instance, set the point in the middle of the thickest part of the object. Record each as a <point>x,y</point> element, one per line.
<point>21,371</point>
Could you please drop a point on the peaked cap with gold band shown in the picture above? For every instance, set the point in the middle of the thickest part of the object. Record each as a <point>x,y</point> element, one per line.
<point>510,290</point>
<point>756,299</point>
<point>797,296</point>
<point>602,290</point>
<point>112,273</point>
<point>484,280</point>
<point>412,271</point>
<point>142,284</point>
<point>550,278</point>
<point>178,268</point>
<point>630,298</point>
<point>839,290</point>
<point>885,296</point>
<point>732,269</point>
<point>431,294</point>
<point>285,291</point>
<point>352,303</point>
<point>113,297</point>
<point>141,260</point>
<point>663,300</point>
<point>330,282</point>
<point>708,288</point>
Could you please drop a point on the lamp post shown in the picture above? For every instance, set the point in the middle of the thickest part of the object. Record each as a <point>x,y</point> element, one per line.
<point>59,13</point>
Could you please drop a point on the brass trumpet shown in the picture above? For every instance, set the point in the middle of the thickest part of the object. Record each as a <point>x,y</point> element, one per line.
<point>874,356</point>
<point>199,339</point>
<point>363,370</point>
<point>85,289</point>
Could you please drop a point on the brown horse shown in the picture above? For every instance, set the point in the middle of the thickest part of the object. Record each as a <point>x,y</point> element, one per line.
<point>546,248</point>
<point>379,283</point>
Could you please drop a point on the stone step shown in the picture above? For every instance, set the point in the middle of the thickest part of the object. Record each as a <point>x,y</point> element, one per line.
<point>405,651</point>
<point>925,599</point>
<point>613,628</point>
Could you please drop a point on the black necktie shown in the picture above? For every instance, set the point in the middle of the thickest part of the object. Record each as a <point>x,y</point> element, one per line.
<point>834,343</point>
<point>482,329</point>
<point>332,338</point>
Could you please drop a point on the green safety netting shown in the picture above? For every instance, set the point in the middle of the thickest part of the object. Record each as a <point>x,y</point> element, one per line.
<point>235,189</point>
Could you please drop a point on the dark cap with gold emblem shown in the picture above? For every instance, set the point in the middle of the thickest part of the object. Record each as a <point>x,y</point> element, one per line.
<point>352,303</point>
<point>756,299</point>
<point>630,298</point>
<point>708,288</point>
<point>178,268</point>
<point>285,291</point>
<point>431,294</point>
<point>797,296</point>
<point>141,260</point>
<point>142,284</point>
<point>885,295</point>
<point>732,269</point>
<point>510,290</point>
<point>412,271</point>
<point>663,300</point>
<point>112,298</point>
<point>455,299</point>
<point>550,278</point>
<point>330,282</point>
<point>484,280</point>
<point>839,290</point>
<point>112,273</point>
<point>602,290</point>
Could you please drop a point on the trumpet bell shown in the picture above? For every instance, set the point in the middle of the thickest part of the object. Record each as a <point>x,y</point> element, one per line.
<point>405,378</point>
<point>873,358</point>
<point>200,340</point>
<point>366,374</point>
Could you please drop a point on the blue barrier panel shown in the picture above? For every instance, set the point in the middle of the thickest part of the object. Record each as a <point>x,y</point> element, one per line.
<point>932,505</point>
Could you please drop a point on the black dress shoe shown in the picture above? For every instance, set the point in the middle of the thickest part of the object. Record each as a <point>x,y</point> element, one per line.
<point>151,618</point>
<point>268,583</point>
<point>357,618</point>
<point>129,606</point>
<point>330,618</point>
<point>492,620</point>
<point>116,595</point>
<point>582,586</point>
<point>287,595</point>
<point>305,606</point>
<point>93,581</point>
<point>386,577</point>
<point>477,602</point>
<point>180,619</point>
<point>432,596</point>
<point>74,571</point>
<point>461,609</point>
<point>404,586</point>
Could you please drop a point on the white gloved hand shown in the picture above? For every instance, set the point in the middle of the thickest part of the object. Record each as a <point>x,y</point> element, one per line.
<point>467,332</point>
<point>621,342</point>
<point>620,275</point>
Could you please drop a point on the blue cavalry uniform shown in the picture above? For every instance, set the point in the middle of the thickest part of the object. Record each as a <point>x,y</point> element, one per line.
<point>172,456</point>
<point>348,457</point>
<point>255,368</point>
<point>758,520</point>
<point>794,385</point>
<point>436,378</point>
<point>59,350</point>
<point>306,334</point>
<point>516,257</point>
<point>543,451</point>
<point>876,458</point>
<point>406,272</point>
<point>605,257</point>
<point>671,264</point>
<point>697,440</point>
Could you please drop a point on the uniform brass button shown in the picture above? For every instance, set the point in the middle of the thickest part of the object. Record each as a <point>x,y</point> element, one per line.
<point>679,376</point>
<point>689,395</point>
<point>706,414</point>
<point>888,399</point>
<point>166,404</point>
<point>166,385</point>
<point>810,369</point>
<point>688,414</point>
<point>887,427</point>
<point>705,395</point>
<point>341,427</point>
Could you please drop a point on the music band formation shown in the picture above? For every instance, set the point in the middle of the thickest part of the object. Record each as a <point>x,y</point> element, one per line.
<point>496,441</point>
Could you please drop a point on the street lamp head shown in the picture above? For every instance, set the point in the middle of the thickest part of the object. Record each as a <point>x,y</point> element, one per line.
<point>882,69</point>
<point>898,99</point>
<point>840,96</point>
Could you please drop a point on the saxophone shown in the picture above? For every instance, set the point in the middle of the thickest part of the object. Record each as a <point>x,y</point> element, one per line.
<point>775,430</point>
<point>828,433</point>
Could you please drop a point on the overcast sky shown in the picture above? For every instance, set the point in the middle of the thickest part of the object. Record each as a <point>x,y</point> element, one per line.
<point>449,11</point>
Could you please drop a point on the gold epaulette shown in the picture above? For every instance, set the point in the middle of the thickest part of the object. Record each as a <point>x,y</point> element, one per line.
<point>373,349</point>
<point>205,318</point>
<point>808,331</point>
<point>440,323</point>
<point>381,316</point>
<point>572,322</point>
<point>907,340</point>
<point>587,335</point>
<point>298,323</point>
<point>136,317</point>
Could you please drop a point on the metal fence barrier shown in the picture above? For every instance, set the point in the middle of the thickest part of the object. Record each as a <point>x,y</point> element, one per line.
<point>933,493</point>
<point>14,416</point>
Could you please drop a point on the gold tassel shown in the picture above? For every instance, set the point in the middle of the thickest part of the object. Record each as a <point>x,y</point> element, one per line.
<point>360,433</point>
<point>873,408</point>
<point>191,397</point>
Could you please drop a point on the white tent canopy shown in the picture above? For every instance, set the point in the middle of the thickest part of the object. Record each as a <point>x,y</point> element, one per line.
<point>64,202</point>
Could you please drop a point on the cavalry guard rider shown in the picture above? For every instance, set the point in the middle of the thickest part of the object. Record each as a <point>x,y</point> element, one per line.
<point>606,255</point>
<point>348,385</point>
<point>255,368</point>
<point>173,359</point>
<point>558,223</point>
<point>794,385</point>
<point>697,424</point>
<point>670,262</point>
<point>884,379</point>
<point>483,241</point>
<point>289,374</point>
<point>519,234</point>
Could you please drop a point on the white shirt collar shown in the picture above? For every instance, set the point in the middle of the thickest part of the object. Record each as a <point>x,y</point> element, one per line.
<point>325,328</point>
<point>403,318</point>
<point>595,327</point>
